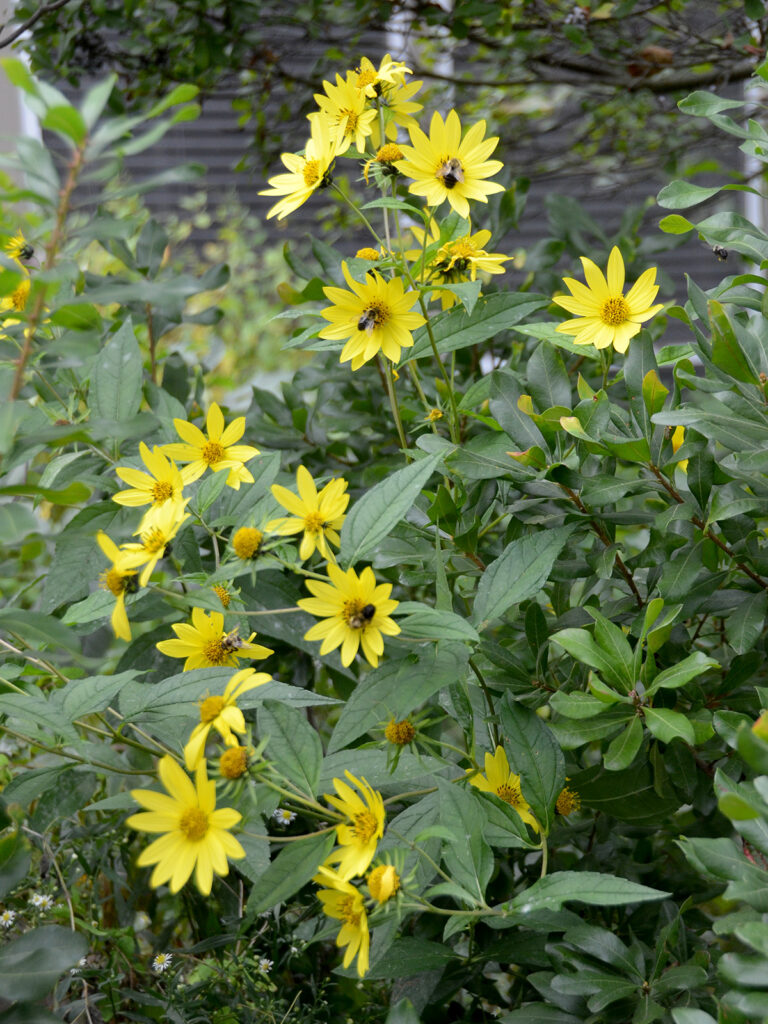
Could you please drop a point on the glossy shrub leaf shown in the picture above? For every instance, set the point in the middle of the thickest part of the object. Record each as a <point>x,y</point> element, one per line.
<point>372,518</point>
<point>534,754</point>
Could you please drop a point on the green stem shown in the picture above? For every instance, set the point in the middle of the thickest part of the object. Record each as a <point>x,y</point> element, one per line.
<point>493,727</point>
<point>359,213</point>
<point>544,855</point>
<point>387,374</point>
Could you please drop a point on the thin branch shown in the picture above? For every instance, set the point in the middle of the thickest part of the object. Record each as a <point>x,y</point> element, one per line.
<point>39,13</point>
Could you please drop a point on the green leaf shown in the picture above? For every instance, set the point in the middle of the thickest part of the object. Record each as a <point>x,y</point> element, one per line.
<point>395,688</point>
<point>96,99</point>
<point>599,890</point>
<point>654,392</point>
<point>518,573</point>
<point>689,1016</point>
<point>38,629</point>
<point>31,965</point>
<point>115,392</point>
<point>180,94</point>
<point>547,378</point>
<point>66,121</point>
<point>705,104</point>
<point>674,224</point>
<point>77,317</point>
<point>576,705</point>
<point>293,745</point>
<point>745,626</point>
<point>14,862</point>
<point>17,522</point>
<point>433,624</point>
<point>456,329</point>
<point>669,725</point>
<point>681,673</point>
<point>680,194</point>
<point>535,756</point>
<point>622,751</point>
<point>581,646</point>
<point>87,696</point>
<point>629,795</point>
<point>293,867</point>
<point>468,858</point>
<point>615,644</point>
<point>380,509</point>
<point>408,957</point>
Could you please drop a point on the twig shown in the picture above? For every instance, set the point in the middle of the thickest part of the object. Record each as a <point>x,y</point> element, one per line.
<point>39,13</point>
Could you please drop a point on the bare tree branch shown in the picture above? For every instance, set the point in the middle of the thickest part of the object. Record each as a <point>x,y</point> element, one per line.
<point>39,13</point>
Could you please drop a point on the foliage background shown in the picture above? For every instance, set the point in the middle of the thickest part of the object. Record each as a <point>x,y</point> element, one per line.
<point>640,685</point>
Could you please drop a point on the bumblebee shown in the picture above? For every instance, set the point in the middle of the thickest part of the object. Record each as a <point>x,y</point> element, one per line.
<point>452,173</point>
<point>367,321</point>
<point>232,642</point>
<point>363,617</point>
<point>26,252</point>
<point>720,253</point>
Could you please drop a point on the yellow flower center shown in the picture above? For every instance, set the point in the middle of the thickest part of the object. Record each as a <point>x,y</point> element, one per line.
<point>314,522</point>
<point>233,762</point>
<point>246,542</point>
<point>567,802</point>
<point>20,295</point>
<point>212,453</point>
<point>450,172</point>
<point>373,316</point>
<point>311,173</point>
<point>365,78</point>
<point>389,153</point>
<point>153,540</point>
<point>215,653</point>
<point>211,708</point>
<point>400,733</point>
<point>434,414</point>
<point>383,883</point>
<point>364,826</point>
<point>352,118</point>
<point>348,910</point>
<point>113,581</point>
<point>194,824</point>
<point>510,794</point>
<point>614,311</point>
<point>223,594</point>
<point>162,491</point>
<point>367,253</point>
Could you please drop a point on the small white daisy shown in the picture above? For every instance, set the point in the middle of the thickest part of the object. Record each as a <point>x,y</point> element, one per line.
<point>265,964</point>
<point>7,917</point>
<point>162,962</point>
<point>42,902</point>
<point>81,963</point>
<point>283,816</point>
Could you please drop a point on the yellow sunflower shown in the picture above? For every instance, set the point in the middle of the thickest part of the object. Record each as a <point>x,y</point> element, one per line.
<point>505,784</point>
<point>345,111</point>
<point>372,81</point>
<point>344,902</point>
<point>355,612</point>
<point>16,302</point>
<point>456,261</point>
<point>156,531</point>
<point>396,103</point>
<point>162,483</point>
<point>119,580</point>
<point>359,837</point>
<point>222,714</point>
<point>445,166</point>
<point>205,644</point>
<point>306,174</point>
<point>604,315</point>
<point>383,882</point>
<point>318,515</point>
<point>373,316</point>
<point>196,836</point>
<point>217,451</point>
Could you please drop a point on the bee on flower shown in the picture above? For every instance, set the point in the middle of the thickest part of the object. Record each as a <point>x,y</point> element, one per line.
<point>355,610</point>
<point>205,644</point>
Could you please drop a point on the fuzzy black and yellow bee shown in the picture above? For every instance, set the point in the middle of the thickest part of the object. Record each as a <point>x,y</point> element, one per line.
<point>363,617</point>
